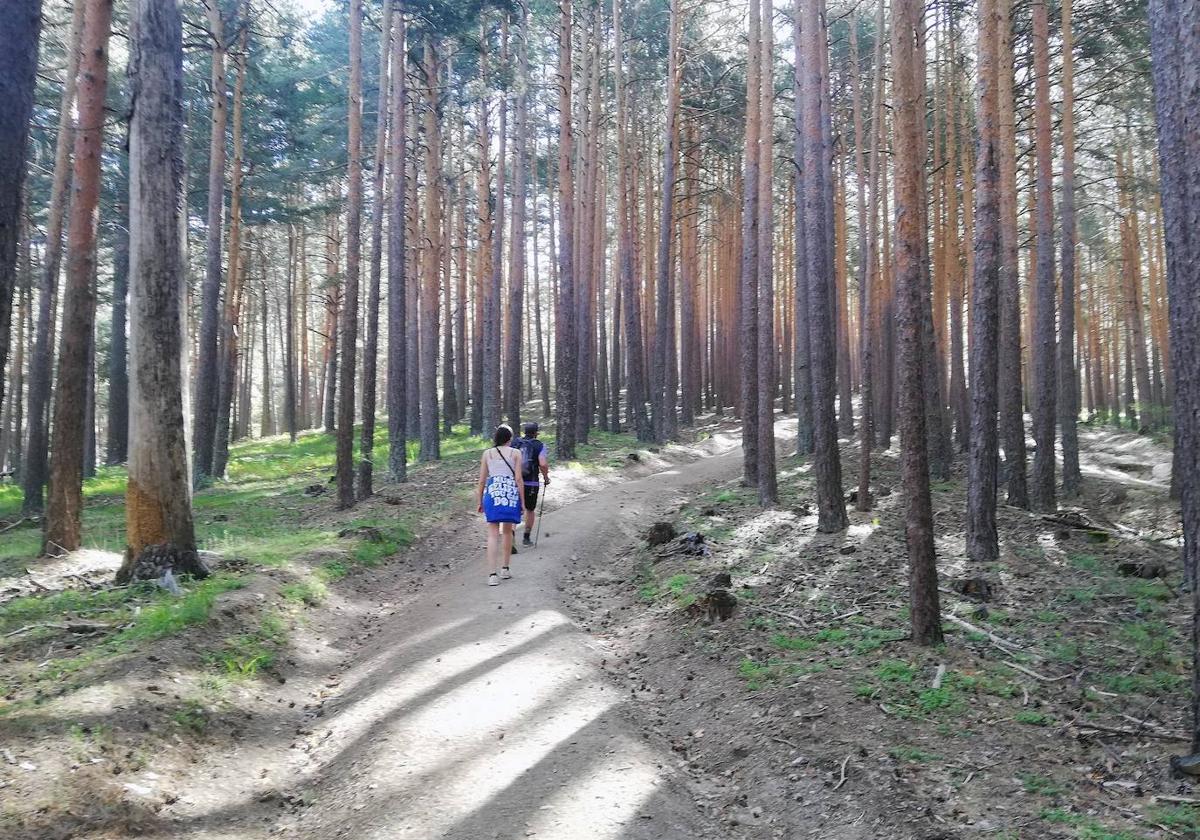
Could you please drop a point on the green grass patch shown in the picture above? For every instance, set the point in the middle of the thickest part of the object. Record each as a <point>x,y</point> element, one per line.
<point>245,655</point>
<point>1185,818</point>
<point>171,616</point>
<point>911,754</point>
<point>1032,718</point>
<point>311,591</point>
<point>191,716</point>
<point>1086,562</point>
<point>1040,785</point>
<point>895,671</point>
<point>829,635</point>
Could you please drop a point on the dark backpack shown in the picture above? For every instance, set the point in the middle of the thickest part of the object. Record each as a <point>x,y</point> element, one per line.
<point>530,449</point>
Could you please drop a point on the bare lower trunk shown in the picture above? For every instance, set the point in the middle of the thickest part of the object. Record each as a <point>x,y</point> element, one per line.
<point>516,266</point>
<point>1042,490</point>
<point>983,543</point>
<point>348,331</point>
<point>768,491</point>
<point>397,395</point>
<point>158,512</point>
<point>925,610</point>
<point>41,363</point>
<point>566,345</point>
<point>1012,413</point>
<point>64,511</point>
<point>366,465</point>
<point>208,364</point>
<point>831,505</point>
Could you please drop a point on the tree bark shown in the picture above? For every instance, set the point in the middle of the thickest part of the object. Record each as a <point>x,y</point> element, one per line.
<point>1042,490</point>
<point>494,288</point>
<point>566,342</point>
<point>664,396</point>
<point>41,364</point>
<point>158,510</point>
<point>983,542</point>
<point>397,360</point>
<point>431,258</point>
<point>827,469</point>
<point>1012,403</point>
<point>802,344</point>
<point>768,490</point>
<point>235,284</point>
<point>208,365</point>
<point>925,610</point>
<point>117,448</point>
<point>516,251</point>
<point>348,330</point>
<point>630,299</point>
<point>1174,42</point>
<point>1068,394</point>
<point>64,511</point>
<point>19,32</point>
<point>366,463</point>
<point>748,284</point>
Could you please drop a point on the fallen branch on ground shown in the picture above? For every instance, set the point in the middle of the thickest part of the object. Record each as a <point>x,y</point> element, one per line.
<point>1003,644</point>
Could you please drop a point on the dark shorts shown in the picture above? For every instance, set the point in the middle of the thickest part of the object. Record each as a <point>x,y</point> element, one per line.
<point>531,494</point>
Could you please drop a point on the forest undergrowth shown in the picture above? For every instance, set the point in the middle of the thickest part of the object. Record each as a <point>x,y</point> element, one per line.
<point>1050,712</point>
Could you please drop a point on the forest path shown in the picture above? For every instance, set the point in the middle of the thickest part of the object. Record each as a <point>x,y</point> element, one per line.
<point>479,712</point>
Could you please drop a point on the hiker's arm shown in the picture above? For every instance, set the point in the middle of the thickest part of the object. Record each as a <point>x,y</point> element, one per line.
<point>482,480</point>
<point>544,465</point>
<point>517,471</point>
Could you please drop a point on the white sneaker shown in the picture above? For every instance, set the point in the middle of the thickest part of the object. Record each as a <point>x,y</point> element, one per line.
<point>493,579</point>
<point>505,573</point>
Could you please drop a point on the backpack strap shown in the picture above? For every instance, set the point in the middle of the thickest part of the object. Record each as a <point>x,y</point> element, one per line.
<point>505,460</point>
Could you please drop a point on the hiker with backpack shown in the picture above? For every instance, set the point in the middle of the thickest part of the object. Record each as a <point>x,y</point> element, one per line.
<point>533,460</point>
<point>500,501</point>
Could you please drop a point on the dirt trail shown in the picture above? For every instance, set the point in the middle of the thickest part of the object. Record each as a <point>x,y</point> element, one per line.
<point>478,712</point>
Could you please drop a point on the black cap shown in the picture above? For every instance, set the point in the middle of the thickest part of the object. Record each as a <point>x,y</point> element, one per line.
<point>530,429</point>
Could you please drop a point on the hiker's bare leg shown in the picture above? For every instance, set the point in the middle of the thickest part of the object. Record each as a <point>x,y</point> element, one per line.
<point>493,547</point>
<point>506,549</point>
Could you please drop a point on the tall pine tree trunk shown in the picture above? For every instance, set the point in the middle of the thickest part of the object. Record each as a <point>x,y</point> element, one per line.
<point>1174,43</point>
<point>768,490</point>
<point>1012,404</point>
<point>516,252</point>
<point>397,361</point>
<point>566,342</point>
<point>431,258</point>
<point>208,364</point>
<point>925,610</point>
<point>117,447</point>
<point>158,510</point>
<point>348,332</point>
<point>831,505</point>
<point>748,284</point>
<point>983,543</point>
<point>65,508</point>
<point>1042,490</point>
<point>630,299</point>
<point>1068,391</point>
<point>664,395</point>
<point>41,364</point>
<point>366,464</point>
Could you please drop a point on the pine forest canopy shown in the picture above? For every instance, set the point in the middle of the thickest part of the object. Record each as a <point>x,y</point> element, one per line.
<point>888,220</point>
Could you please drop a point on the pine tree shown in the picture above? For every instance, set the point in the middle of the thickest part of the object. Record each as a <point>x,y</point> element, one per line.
<point>158,510</point>
<point>908,73</point>
<point>65,505</point>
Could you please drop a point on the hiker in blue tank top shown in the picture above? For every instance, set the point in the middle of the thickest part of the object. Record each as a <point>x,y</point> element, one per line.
<point>500,501</point>
<point>533,457</point>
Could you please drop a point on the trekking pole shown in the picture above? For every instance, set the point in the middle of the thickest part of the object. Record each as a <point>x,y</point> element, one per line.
<point>541,510</point>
